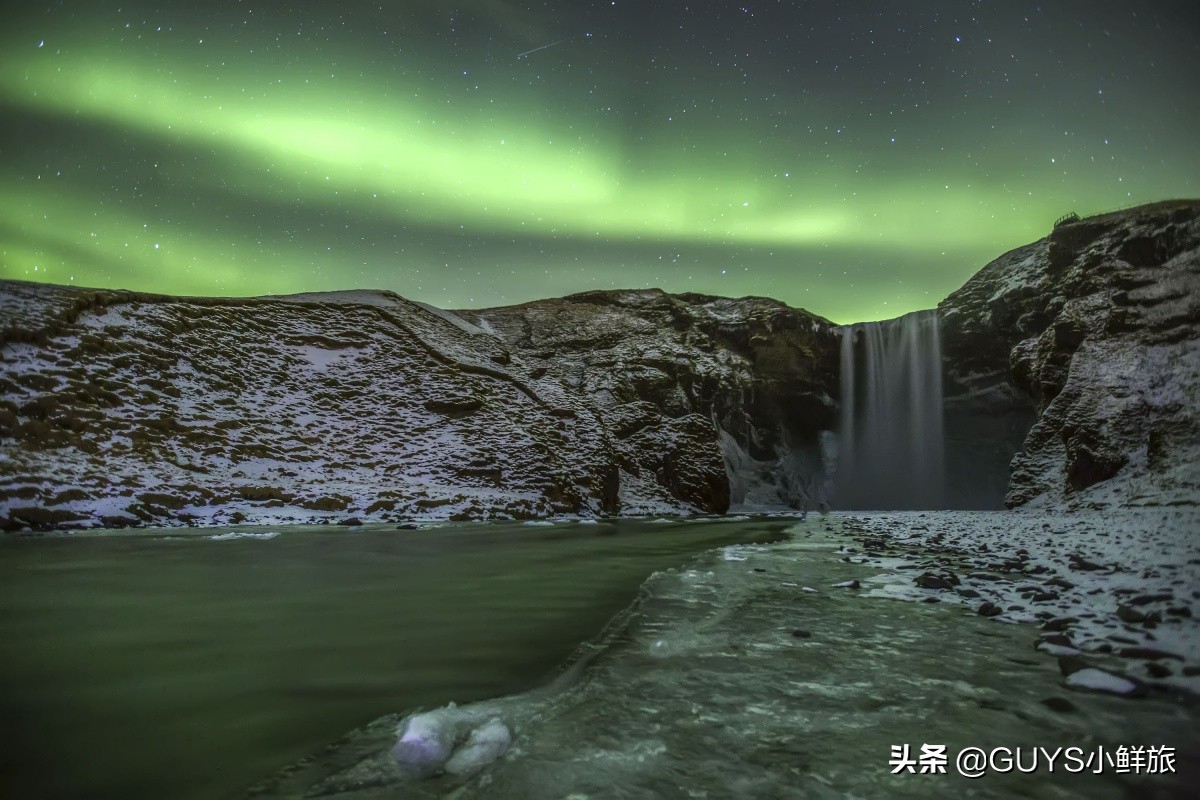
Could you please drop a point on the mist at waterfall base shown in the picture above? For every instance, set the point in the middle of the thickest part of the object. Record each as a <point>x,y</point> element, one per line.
<point>891,452</point>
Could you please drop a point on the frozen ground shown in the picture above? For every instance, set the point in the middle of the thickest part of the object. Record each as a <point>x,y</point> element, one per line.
<point>1117,587</point>
<point>782,671</point>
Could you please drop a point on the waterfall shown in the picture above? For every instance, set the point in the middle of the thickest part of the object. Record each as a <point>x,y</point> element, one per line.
<point>891,440</point>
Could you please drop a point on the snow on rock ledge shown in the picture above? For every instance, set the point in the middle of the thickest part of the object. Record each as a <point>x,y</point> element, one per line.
<point>1098,326</point>
<point>125,409</point>
<point>130,409</point>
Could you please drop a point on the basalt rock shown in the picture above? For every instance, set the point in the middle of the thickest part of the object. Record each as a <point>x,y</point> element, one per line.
<point>121,408</point>
<point>1096,329</point>
<point>706,399</point>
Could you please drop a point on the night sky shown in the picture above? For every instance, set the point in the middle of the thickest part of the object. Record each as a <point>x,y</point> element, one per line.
<point>858,159</point>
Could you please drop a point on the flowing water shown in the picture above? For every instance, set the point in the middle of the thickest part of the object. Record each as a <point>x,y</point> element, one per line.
<point>892,442</point>
<point>704,690</point>
<point>145,666</point>
<point>174,665</point>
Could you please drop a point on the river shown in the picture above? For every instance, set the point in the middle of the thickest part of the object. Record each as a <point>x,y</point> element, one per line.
<point>629,658</point>
<point>173,664</point>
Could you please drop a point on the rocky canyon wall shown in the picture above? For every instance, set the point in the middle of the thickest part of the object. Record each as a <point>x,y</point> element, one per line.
<point>749,383</point>
<point>121,409</point>
<point>1071,375</point>
<point>1093,334</point>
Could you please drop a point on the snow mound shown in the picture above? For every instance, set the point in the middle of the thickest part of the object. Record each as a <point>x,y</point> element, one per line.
<point>460,741</point>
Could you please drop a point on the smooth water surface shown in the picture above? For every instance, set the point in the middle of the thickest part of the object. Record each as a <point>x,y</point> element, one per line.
<point>169,664</point>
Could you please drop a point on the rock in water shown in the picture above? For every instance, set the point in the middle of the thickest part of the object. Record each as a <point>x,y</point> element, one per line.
<point>989,609</point>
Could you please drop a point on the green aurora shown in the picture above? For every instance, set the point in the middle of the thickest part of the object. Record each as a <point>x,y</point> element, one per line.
<point>217,154</point>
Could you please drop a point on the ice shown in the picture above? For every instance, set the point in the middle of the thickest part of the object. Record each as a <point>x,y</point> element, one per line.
<point>485,744</point>
<point>732,554</point>
<point>705,688</point>
<point>224,537</point>
<point>1058,650</point>
<point>425,744</point>
<point>457,740</point>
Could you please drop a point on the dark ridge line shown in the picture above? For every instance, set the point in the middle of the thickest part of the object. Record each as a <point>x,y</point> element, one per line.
<point>103,298</point>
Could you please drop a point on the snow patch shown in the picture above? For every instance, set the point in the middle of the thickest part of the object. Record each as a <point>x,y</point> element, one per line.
<point>1097,680</point>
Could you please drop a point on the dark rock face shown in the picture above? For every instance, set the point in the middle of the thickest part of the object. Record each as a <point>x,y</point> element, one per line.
<point>712,399</point>
<point>129,409</point>
<point>126,409</point>
<point>1099,326</point>
<point>986,415</point>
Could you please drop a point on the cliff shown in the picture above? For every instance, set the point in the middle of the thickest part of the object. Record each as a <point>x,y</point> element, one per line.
<point>1072,375</point>
<point>130,409</point>
<point>123,409</point>
<point>1096,329</point>
<point>749,383</point>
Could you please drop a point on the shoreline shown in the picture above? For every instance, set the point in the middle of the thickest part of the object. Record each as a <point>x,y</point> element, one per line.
<point>1115,590</point>
<point>410,524</point>
<point>711,649</point>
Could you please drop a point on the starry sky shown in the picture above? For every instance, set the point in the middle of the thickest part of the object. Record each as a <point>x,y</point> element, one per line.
<point>858,159</point>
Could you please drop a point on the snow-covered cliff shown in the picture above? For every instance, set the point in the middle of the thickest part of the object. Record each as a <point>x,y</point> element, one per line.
<point>126,409</point>
<point>129,409</point>
<point>1097,329</point>
<point>1080,353</point>
<point>712,399</point>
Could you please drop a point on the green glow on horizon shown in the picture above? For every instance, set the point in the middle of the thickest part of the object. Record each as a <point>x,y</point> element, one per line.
<point>391,150</point>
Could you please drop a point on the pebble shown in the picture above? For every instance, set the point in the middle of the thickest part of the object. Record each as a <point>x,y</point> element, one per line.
<point>1059,623</point>
<point>1149,653</point>
<point>1127,614</point>
<point>1158,670</point>
<point>990,609</point>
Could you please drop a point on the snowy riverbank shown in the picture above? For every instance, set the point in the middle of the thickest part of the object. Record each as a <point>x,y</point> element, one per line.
<point>1116,588</point>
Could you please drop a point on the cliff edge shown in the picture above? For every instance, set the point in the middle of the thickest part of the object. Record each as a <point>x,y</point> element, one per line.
<point>1097,328</point>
